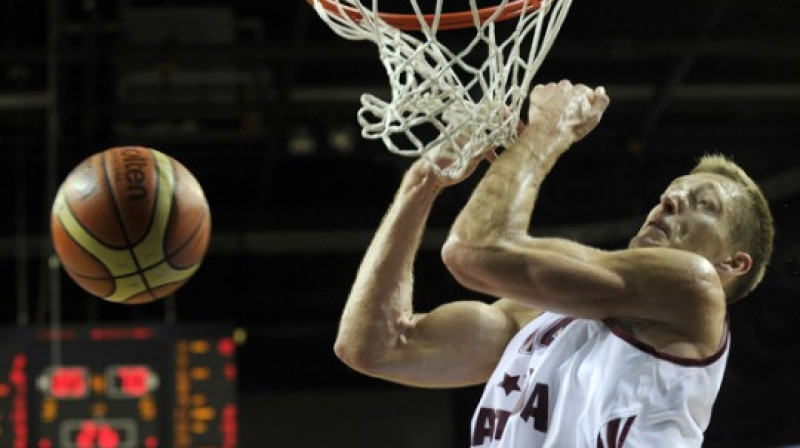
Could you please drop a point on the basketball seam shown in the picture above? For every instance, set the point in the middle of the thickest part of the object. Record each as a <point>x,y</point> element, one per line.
<point>186,243</point>
<point>154,209</point>
<point>194,232</point>
<point>132,274</point>
<point>121,223</point>
<point>86,229</point>
<point>151,293</point>
<point>90,254</point>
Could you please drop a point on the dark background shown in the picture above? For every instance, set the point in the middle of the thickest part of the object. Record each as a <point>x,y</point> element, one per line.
<point>251,97</point>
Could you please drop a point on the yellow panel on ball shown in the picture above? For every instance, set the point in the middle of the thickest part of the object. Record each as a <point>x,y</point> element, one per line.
<point>149,250</point>
<point>119,262</point>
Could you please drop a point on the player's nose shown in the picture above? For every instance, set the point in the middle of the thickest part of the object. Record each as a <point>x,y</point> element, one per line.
<point>673,202</point>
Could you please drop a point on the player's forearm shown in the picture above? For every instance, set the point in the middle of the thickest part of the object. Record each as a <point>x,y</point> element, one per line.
<point>498,214</point>
<point>503,201</point>
<point>559,115</point>
<point>379,307</point>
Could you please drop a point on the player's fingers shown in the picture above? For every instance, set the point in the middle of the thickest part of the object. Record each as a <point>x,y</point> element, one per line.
<point>582,88</point>
<point>600,100</point>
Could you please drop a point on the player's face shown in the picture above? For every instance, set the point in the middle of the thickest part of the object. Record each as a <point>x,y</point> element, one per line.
<point>694,214</point>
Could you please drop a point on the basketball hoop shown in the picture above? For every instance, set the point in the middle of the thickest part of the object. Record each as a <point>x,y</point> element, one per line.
<point>440,98</point>
<point>447,21</point>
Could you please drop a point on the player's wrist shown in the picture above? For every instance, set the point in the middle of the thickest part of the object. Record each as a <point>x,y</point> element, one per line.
<point>420,181</point>
<point>536,149</point>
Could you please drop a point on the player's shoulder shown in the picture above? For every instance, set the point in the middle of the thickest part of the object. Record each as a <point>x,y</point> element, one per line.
<point>676,294</point>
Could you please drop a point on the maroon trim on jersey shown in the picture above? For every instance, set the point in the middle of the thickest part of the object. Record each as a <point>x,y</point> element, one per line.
<point>626,336</point>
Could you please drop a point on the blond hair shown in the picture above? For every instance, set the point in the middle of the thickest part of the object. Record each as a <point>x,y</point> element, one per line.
<point>752,229</point>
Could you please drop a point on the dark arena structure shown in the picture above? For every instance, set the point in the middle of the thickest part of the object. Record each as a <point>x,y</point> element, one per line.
<point>258,99</point>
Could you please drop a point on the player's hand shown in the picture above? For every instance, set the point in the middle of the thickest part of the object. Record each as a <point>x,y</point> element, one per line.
<point>432,167</point>
<point>572,111</point>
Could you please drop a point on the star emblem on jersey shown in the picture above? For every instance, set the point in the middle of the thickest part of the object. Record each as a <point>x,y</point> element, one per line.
<point>510,383</point>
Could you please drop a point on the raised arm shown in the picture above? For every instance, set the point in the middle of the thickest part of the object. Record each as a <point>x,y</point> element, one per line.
<point>490,250</point>
<point>380,334</point>
<point>503,202</point>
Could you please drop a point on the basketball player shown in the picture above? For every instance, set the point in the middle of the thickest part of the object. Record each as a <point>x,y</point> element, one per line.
<point>586,347</point>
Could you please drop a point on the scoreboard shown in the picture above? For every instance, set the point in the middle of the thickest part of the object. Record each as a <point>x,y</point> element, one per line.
<point>145,386</point>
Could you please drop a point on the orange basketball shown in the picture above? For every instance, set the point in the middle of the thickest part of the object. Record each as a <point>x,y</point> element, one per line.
<point>130,224</point>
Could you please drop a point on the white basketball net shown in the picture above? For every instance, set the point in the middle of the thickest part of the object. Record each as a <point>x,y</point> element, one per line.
<point>439,100</point>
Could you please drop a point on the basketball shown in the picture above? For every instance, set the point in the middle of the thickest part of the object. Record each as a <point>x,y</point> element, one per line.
<point>130,224</point>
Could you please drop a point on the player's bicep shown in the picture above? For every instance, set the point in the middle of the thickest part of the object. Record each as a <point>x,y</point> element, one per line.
<point>457,344</point>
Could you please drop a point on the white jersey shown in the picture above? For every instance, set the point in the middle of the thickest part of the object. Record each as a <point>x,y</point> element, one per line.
<point>576,383</point>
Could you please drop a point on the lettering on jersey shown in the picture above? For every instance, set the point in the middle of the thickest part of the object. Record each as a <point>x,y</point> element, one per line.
<point>548,335</point>
<point>554,330</point>
<point>529,343</point>
<point>615,433</point>
<point>490,423</point>
<point>537,407</point>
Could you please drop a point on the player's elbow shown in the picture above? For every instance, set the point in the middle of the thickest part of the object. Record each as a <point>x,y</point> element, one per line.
<point>349,353</point>
<point>463,260</point>
<point>454,254</point>
<point>356,356</point>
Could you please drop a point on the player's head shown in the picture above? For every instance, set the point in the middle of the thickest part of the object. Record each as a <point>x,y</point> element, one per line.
<point>719,212</point>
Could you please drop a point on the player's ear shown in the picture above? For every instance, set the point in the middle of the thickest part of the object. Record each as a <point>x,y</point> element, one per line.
<point>736,265</point>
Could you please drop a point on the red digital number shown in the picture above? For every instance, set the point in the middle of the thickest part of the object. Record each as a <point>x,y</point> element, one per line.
<point>68,382</point>
<point>97,435</point>
<point>134,381</point>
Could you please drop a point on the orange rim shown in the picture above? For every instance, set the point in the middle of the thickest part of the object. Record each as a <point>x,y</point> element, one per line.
<point>447,21</point>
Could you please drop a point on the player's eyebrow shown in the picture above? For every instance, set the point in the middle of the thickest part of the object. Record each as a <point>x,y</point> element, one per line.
<point>676,182</point>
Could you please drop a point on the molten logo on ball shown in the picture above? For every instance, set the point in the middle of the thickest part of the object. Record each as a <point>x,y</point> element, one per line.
<point>133,164</point>
<point>130,224</point>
